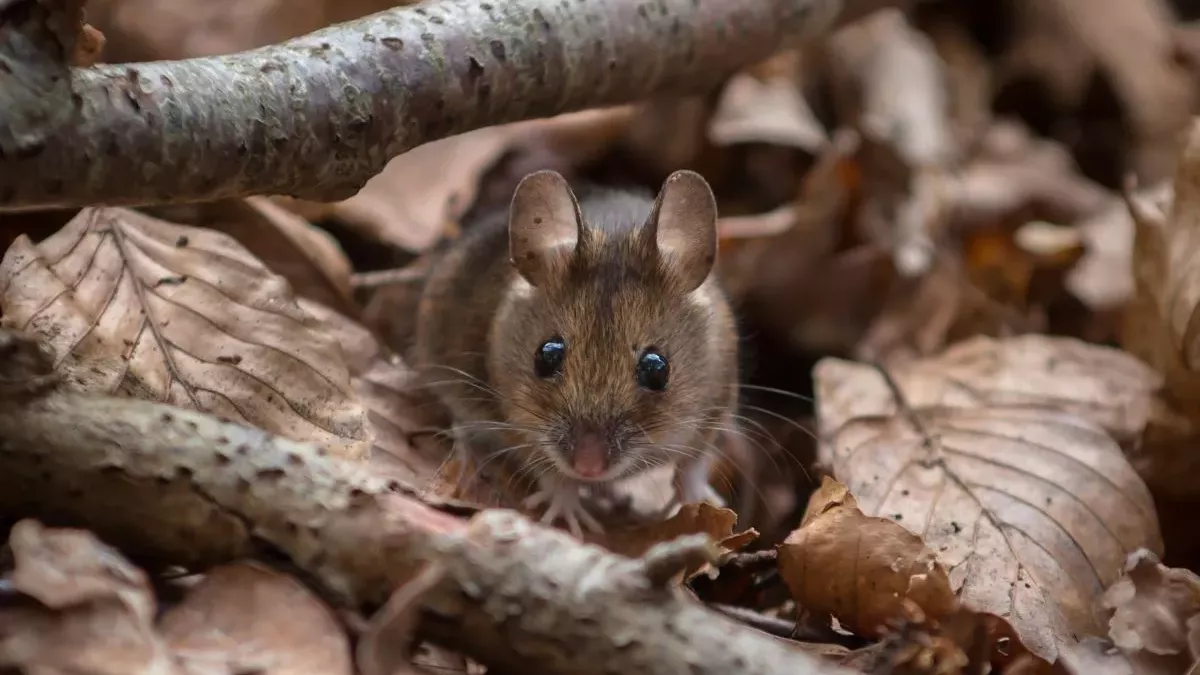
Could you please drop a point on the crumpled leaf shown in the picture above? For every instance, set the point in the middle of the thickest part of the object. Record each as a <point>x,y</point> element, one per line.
<point>1031,509</point>
<point>245,617</point>
<point>766,109</point>
<point>90,611</point>
<point>699,518</point>
<point>859,568</point>
<point>145,308</point>
<point>1104,385</point>
<point>1154,607</point>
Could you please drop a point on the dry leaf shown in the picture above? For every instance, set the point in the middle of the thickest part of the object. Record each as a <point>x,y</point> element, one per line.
<point>308,257</point>
<point>358,346</point>
<point>705,518</point>
<point>1030,509</point>
<point>94,612</point>
<point>859,568</point>
<point>410,203</point>
<point>1160,324</point>
<point>1097,656</point>
<point>244,617</point>
<point>1152,607</point>
<point>396,408</point>
<point>305,255</point>
<point>386,646</point>
<point>1106,386</point>
<point>1103,279</point>
<point>144,308</point>
<point>767,110</point>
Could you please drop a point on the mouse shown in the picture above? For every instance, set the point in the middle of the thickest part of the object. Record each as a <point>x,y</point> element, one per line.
<point>585,339</point>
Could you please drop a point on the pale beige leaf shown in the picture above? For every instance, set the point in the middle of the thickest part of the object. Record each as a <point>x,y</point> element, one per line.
<point>245,618</point>
<point>768,111</point>
<point>1103,278</point>
<point>137,306</point>
<point>1096,656</point>
<point>396,409</point>
<point>308,257</point>
<point>1152,606</point>
<point>1103,385</point>
<point>1031,509</point>
<point>410,203</point>
<point>359,347</point>
<point>1161,323</point>
<point>396,406</point>
<point>90,610</point>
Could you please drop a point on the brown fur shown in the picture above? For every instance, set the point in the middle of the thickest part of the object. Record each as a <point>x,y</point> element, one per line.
<point>611,299</point>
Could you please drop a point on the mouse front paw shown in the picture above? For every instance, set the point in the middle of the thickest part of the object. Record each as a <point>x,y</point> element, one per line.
<point>564,502</point>
<point>692,486</point>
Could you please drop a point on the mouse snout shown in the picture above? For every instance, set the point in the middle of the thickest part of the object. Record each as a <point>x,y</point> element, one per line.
<point>588,452</point>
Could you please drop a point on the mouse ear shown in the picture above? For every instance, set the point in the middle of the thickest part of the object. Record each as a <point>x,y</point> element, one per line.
<point>683,228</point>
<point>544,226</point>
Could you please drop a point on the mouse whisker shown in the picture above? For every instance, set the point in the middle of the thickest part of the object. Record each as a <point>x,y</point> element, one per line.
<point>716,450</point>
<point>740,431</point>
<point>753,424</point>
<point>480,465</point>
<point>785,419</point>
<point>773,390</point>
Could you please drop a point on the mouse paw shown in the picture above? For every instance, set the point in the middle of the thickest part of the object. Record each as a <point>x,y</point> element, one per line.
<point>563,502</point>
<point>691,484</point>
<point>706,493</point>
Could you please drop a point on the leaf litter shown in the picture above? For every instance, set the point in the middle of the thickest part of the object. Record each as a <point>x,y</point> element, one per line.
<point>1000,482</point>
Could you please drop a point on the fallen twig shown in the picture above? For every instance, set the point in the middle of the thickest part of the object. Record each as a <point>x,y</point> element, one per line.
<point>317,116</point>
<point>179,486</point>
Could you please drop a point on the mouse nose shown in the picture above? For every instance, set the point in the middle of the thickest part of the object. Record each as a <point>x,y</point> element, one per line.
<point>589,453</point>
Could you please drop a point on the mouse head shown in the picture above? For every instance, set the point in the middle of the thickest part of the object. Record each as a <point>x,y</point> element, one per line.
<point>614,348</point>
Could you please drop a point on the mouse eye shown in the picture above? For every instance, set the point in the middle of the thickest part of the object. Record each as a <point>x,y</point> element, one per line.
<point>653,370</point>
<point>549,357</point>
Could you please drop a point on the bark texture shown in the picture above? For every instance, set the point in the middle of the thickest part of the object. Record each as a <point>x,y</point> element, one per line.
<point>180,486</point>
<point>316,116</point>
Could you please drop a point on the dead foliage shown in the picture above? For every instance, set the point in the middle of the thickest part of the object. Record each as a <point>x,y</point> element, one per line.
<point>959,241</point>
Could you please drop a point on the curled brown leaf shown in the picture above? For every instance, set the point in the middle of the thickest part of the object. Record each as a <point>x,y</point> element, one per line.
<point>859,568</point>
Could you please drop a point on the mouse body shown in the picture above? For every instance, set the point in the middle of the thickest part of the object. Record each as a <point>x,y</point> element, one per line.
<point>585,340</point>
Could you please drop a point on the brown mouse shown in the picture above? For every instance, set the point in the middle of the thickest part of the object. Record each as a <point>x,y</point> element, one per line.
<point>585,340</point>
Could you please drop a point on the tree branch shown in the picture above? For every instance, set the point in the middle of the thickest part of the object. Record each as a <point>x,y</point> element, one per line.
<point>316,116</point>
<point>183,487</point>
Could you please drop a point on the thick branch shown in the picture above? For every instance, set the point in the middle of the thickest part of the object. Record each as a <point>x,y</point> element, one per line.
<point>317,116</point>
<point>184,487</point>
